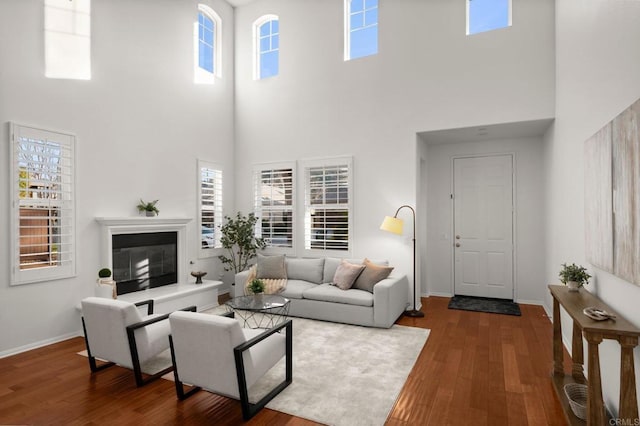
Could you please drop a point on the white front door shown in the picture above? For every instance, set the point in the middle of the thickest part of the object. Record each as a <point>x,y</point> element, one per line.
<point>483,226</point>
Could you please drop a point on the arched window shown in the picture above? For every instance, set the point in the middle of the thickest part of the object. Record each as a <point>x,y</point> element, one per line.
<point>266,46</point>
<point>207,45</point>
<point>360,28</point>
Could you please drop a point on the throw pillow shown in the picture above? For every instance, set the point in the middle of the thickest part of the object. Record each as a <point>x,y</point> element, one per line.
<point>305,269</point>
<point>371,275</point>
<point>271,267</point>
<point>346,275</point>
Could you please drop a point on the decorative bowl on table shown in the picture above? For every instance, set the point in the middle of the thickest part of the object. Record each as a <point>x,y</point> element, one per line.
<point>198,275</point>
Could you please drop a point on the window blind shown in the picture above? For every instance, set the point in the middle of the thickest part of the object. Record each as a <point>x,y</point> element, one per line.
<point>43,202</point>
<point>274,205</point>
<point>211,212</point>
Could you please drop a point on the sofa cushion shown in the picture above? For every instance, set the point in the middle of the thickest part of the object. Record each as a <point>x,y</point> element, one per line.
<point>331,264</point>
<point>271,267</point>
<point>371,275</point>
<point>329,293</point>
<point>295,289</point>
<point>346,275</point>
<point>305,269</point>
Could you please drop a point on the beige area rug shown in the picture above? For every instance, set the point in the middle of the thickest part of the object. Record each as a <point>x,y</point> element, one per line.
<point>342,374</point>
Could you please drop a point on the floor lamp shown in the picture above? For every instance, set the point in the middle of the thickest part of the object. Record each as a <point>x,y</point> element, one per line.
<point>395,225</point>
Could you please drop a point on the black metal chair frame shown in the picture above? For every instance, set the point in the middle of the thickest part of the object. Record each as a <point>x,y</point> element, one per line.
<point>133,347</point>
<point>248,409</point>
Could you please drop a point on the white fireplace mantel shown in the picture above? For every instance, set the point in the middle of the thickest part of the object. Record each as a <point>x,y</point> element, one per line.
<point>136,225</point>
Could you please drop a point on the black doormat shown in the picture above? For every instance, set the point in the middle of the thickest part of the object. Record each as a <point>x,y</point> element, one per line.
<point>485,304</point>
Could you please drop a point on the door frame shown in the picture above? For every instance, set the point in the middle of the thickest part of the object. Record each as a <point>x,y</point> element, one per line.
<point>514,216</point>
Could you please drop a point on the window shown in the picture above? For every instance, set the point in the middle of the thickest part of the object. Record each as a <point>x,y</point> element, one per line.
<point>43,205</point>
<point>209,207</point>
<point>274,205</point>
<point>67,39</point>
<point>487,15</point>
<point>207,45</point>
<point>361,28</point>
<point>266,35</point>
<point>328,204</point>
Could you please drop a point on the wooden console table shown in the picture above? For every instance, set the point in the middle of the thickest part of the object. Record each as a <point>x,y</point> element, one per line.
<point>594,332</point>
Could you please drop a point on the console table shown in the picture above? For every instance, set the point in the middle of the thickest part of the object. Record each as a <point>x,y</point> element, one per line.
<point>594,332</point>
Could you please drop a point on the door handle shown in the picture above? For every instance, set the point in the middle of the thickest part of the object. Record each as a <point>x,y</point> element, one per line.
<point>457,237</point>
<point>457,244</point>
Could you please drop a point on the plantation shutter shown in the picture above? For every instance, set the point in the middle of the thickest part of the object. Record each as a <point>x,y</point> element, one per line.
<point>328,204</point>
<point>43,205</point>
<point>210,207</point>
<point>274,205</point>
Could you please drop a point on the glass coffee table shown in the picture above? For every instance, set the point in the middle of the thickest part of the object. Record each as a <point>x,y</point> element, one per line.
<point>259,311</point>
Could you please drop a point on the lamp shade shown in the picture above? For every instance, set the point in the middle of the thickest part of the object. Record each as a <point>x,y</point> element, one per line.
<point>392,224</point>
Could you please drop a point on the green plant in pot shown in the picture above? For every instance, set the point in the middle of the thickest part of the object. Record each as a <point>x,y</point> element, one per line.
<point>149,208</point>
<point>256,286</point>
<point>574,276</point>
<point>104,275</point>
<point>240,241</point>
<point>106,286</point>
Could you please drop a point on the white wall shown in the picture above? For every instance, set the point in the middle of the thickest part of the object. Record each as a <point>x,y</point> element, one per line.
<point>598,65</point>
<point>140,123</point>
<point>528,218</point>
<point>428,75</point>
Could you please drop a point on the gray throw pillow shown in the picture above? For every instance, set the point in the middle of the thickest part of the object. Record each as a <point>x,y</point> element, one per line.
<point>305,269</point>
<point>271,267</point>
<point>371,275</point>
<point>346,275</point>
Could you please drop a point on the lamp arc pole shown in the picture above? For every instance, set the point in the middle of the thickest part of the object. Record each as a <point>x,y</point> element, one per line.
<point>413,312</point>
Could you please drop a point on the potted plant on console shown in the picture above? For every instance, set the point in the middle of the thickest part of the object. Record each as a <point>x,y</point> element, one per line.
<point>149,209</point>
<point>574,276</point>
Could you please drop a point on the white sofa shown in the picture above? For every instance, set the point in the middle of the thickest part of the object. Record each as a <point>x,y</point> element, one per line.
<point>312,296</point>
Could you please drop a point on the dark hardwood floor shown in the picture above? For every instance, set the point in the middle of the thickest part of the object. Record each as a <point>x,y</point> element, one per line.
<point>476,368</point>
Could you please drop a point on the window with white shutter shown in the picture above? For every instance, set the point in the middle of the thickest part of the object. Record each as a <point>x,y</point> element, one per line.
<point>328,204</point>
<point>42,205</point>
<point>209,207</point>
<point>274,205</point>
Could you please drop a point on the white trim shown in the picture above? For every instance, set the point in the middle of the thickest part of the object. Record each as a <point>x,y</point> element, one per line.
<point>137,225</point>
<point>40,344</point>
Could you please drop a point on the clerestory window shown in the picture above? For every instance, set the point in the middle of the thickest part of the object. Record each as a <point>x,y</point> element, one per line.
<point>67,39</point>
<point>487,15</point>
<point>266,46</point>
<point>207,45</point>
<point>361,28</point>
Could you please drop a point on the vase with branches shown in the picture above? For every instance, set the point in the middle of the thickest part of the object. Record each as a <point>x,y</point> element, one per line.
<point>240,241</point>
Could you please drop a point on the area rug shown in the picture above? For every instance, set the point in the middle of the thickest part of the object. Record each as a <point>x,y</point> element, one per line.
<point>345,374</point>
<point>342,374</point>
<point>484,304</point>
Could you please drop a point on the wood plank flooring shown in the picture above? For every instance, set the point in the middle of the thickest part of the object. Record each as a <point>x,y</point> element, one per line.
<point>476,368</point>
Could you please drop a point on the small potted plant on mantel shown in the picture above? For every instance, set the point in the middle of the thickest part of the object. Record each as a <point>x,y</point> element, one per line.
<point>574,276</point>
<point>149,209</point>
<point>256,287</point>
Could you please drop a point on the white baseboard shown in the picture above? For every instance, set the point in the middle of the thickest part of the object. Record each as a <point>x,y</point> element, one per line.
<point>438,294</point>
<point>36,345</point>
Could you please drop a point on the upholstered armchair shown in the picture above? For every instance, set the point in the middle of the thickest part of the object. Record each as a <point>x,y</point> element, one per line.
<point>215,353</point>
<point>116,332</point>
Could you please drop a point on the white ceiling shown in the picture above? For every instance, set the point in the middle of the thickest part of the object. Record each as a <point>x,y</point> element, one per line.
<point>523,129</point>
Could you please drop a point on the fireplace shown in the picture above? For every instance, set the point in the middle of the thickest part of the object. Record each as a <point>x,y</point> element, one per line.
<point>144,252</point>
<point>144,260</point>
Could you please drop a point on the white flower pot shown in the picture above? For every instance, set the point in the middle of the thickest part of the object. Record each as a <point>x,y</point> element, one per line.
<point>106,287</point>
<point>573,285</point>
